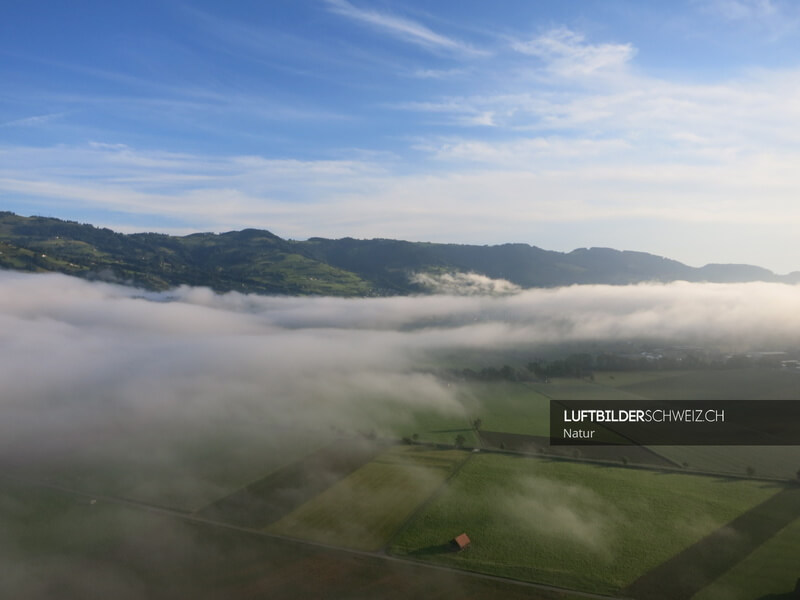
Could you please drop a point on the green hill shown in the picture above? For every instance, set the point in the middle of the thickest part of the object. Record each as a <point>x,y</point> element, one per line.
<point>257,261</point>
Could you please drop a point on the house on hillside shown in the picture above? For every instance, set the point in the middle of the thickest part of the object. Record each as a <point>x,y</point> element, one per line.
<point>460,542</point>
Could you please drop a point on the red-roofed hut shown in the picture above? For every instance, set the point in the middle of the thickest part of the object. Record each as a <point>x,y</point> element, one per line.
<point>460,542</point>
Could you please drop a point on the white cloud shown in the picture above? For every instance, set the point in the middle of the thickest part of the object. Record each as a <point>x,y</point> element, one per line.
<point>402,28</point>
<point>465,284</point>
<point>33,121</point>
<point>603,153</point>
<point>89,365</point>
<point>438,73</point>
<point>518,191</point>
<point>773,20</point>
<point>524,153</point>
<point>566,53</point>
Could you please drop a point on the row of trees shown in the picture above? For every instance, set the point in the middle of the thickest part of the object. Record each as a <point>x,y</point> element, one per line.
<point>583,365</point>
<point>575,365</point>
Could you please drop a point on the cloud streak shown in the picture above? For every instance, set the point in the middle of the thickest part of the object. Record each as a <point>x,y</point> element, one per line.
<point>33,121</point>
<point>401,28</point>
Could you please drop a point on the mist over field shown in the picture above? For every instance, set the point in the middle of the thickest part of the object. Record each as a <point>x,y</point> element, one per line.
<point>82,358</point>
<point>565,511</point>
<point>86,364</point>
<point>178,398</point>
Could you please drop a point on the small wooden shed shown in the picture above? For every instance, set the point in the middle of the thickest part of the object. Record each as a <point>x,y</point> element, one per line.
<point>460,542</point>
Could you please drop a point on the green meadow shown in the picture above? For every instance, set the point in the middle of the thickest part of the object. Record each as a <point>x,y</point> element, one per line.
<point>771,571</point>
<point>571,525</point>
<point>365,508</point>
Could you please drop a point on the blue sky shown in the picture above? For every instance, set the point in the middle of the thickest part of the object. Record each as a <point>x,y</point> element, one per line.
<point>671,128</point>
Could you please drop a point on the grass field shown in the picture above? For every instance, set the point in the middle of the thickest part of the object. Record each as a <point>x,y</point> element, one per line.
<point>57,545</point>
<point>623,378</point>
<point>686,573</point>
<point>572,525</point>
<point>508,406</point>
<point>727,384</point>
<point>437,428</point>
<point>771,571</point>
<point>270,498</point>
<point>743,384</point>
<point>365,508</point>
<point>511,407</point>
<point>580,389</point>
<point>564,523</point>
<point>167,468</point>
<point>779,462</point>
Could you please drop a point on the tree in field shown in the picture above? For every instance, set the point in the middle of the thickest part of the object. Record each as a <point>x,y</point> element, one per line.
<point>460,439</point>
<point>477,423</point>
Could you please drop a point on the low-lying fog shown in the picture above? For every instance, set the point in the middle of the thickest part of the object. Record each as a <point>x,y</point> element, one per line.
<point>82,359</point>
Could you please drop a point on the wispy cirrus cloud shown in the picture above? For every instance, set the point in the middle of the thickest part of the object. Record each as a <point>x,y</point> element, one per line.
<point>402,28</point>
<point>772,18</point>
<point>736,10</point>
<point>438,73</point>
<point>34,120</point>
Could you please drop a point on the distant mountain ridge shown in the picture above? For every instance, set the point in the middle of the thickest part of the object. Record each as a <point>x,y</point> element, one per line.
<point>257,261</point>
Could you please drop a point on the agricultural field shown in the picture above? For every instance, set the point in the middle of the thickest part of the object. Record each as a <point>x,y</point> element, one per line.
<point>58,545</point>
<point>780,462</point>
<point>633,455</point>
<point>365,508</point>
<point>436,428</point>
<point>515,417</point>
<point>572,525</point>
<point>511,407</point>
<point>711,384</point>
<point>507,406</point>
<point>269,498</point>
<point>771,571</point>
<point>775,462</point>
<point>581,389</point>
<point>697,566</point>
<point>166,468</point>
<point>544,519</point>
<point>624,378</point>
